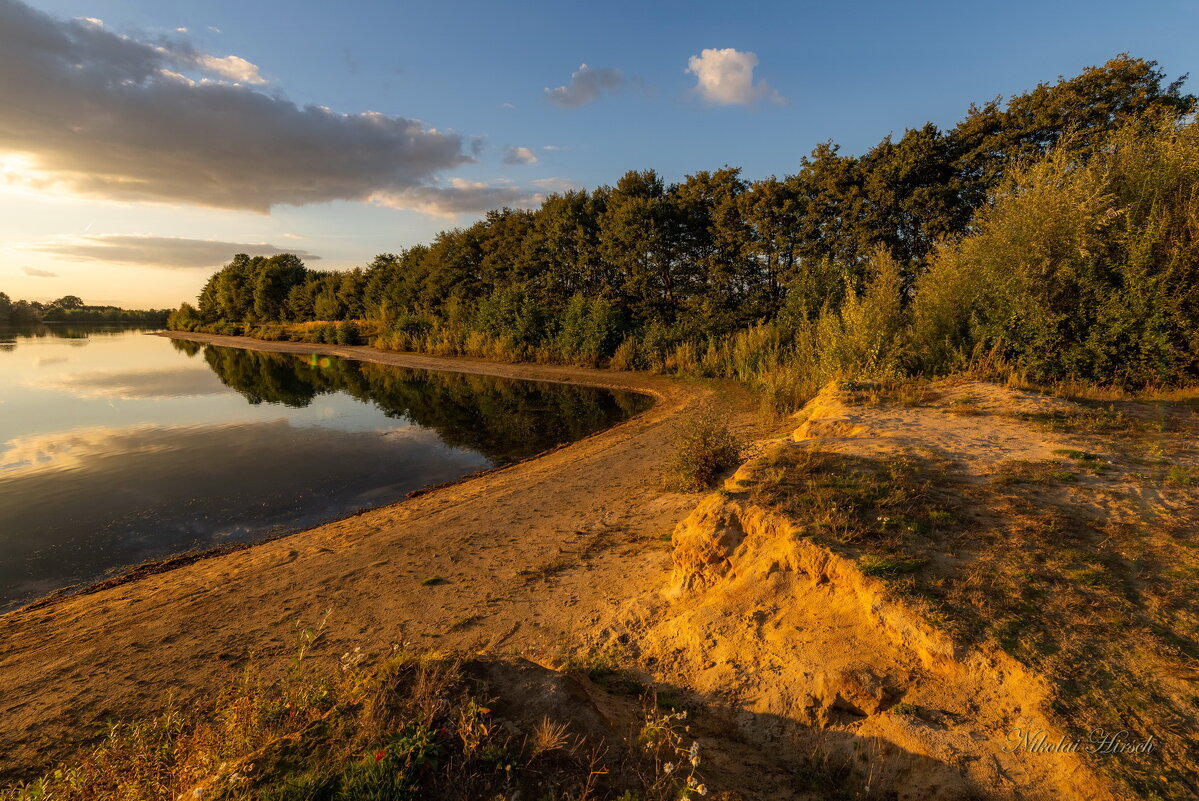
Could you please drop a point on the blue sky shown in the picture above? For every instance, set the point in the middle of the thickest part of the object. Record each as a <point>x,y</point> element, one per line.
<point>849,72</point>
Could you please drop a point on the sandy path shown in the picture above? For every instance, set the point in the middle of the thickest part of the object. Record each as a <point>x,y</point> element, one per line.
<point>531,556</point>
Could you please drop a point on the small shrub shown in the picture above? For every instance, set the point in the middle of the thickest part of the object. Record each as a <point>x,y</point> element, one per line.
<point>348,333</point>
<point>706,449</point>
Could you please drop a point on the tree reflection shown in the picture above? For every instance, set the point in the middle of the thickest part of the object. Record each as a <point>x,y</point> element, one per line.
<point>504,419</point>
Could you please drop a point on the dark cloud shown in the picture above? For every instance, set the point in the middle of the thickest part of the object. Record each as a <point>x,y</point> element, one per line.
<point>111,116</point>
<point>36,273</point>
<point>161,251</point>
<point>585,85</point>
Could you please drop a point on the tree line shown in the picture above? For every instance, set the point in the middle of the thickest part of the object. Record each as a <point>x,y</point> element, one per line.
<point>72,309</point>
<point>925,253</point>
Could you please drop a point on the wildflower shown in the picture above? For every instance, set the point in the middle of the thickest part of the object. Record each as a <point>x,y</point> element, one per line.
<point>668,767</point>
<point>702,789</point>
<point>379,756</point>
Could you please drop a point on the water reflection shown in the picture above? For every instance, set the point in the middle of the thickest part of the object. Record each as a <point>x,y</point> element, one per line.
<point>503,418</point>
<point>139,447</point>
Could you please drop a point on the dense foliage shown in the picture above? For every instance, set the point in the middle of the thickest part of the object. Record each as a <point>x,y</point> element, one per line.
<point>1066,216</point>
<point>70,309</point>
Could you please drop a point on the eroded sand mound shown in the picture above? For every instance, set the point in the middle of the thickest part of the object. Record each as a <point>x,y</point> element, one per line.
<point>826,662</point>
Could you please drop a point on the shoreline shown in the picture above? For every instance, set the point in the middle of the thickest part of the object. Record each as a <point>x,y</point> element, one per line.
<point>591,511</point>
<point>363,353</point>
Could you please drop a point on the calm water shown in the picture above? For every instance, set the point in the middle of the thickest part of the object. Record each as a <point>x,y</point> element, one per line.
<point>118,447</point>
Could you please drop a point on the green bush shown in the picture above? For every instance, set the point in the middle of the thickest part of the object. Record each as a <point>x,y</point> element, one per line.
<point>705,449</point>
<point>348,333</point>
<point>1082,270</point>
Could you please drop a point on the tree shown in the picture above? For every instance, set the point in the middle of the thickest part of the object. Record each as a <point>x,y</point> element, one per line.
<point>68,302</point>
<point>1084,109</point>
<point>640,237</point>
<point>273,279</point>
<point>713,279</point>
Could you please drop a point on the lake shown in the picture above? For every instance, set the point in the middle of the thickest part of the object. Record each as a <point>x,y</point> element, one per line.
<point>118,447</point>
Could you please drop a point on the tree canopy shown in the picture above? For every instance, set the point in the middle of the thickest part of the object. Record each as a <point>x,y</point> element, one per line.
<point>661,264</point>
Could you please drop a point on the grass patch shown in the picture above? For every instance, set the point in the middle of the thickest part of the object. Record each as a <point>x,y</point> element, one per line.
<point>876,565</point>
<point>409,727</point>
<point>1091,420</point>
<point>908,392</point>
<point>1020,471</point>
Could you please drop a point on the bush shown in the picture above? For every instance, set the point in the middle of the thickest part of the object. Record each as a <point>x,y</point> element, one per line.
<point>1082,270</point>
<point>348,333</point>
<point>325,334</point>
<point>185,318</point>
<point>705,450</point>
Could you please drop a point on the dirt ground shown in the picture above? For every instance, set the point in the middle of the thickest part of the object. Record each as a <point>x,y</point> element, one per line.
<point>517,562</point>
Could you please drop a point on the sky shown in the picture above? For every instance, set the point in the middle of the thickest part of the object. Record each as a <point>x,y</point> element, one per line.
<point>144,142</point>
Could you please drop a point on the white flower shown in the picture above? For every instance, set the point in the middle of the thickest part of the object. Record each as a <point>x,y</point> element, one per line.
<point>668,767</point>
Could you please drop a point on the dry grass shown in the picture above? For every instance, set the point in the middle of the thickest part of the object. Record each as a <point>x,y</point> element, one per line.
<point>409,727</point>
<point>895,392</point>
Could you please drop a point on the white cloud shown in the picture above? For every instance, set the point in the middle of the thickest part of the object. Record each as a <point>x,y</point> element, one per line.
<point>516,156</point>
<point>181,30</point>
<point>234,68</point>
<point>460,197</point>
<point>726,77</point>
<point>585,85</point>
<point>554,184</point>
<point>102,115</point>
<point>160,251</point>
<point>36,273</point>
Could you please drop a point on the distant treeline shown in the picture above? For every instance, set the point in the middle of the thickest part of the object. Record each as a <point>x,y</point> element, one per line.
<point>1055,235</point>
<point>71,309</point>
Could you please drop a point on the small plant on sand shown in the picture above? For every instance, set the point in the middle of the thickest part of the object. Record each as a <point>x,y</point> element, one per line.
<point>966,405</point>
<point>705,450</point>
